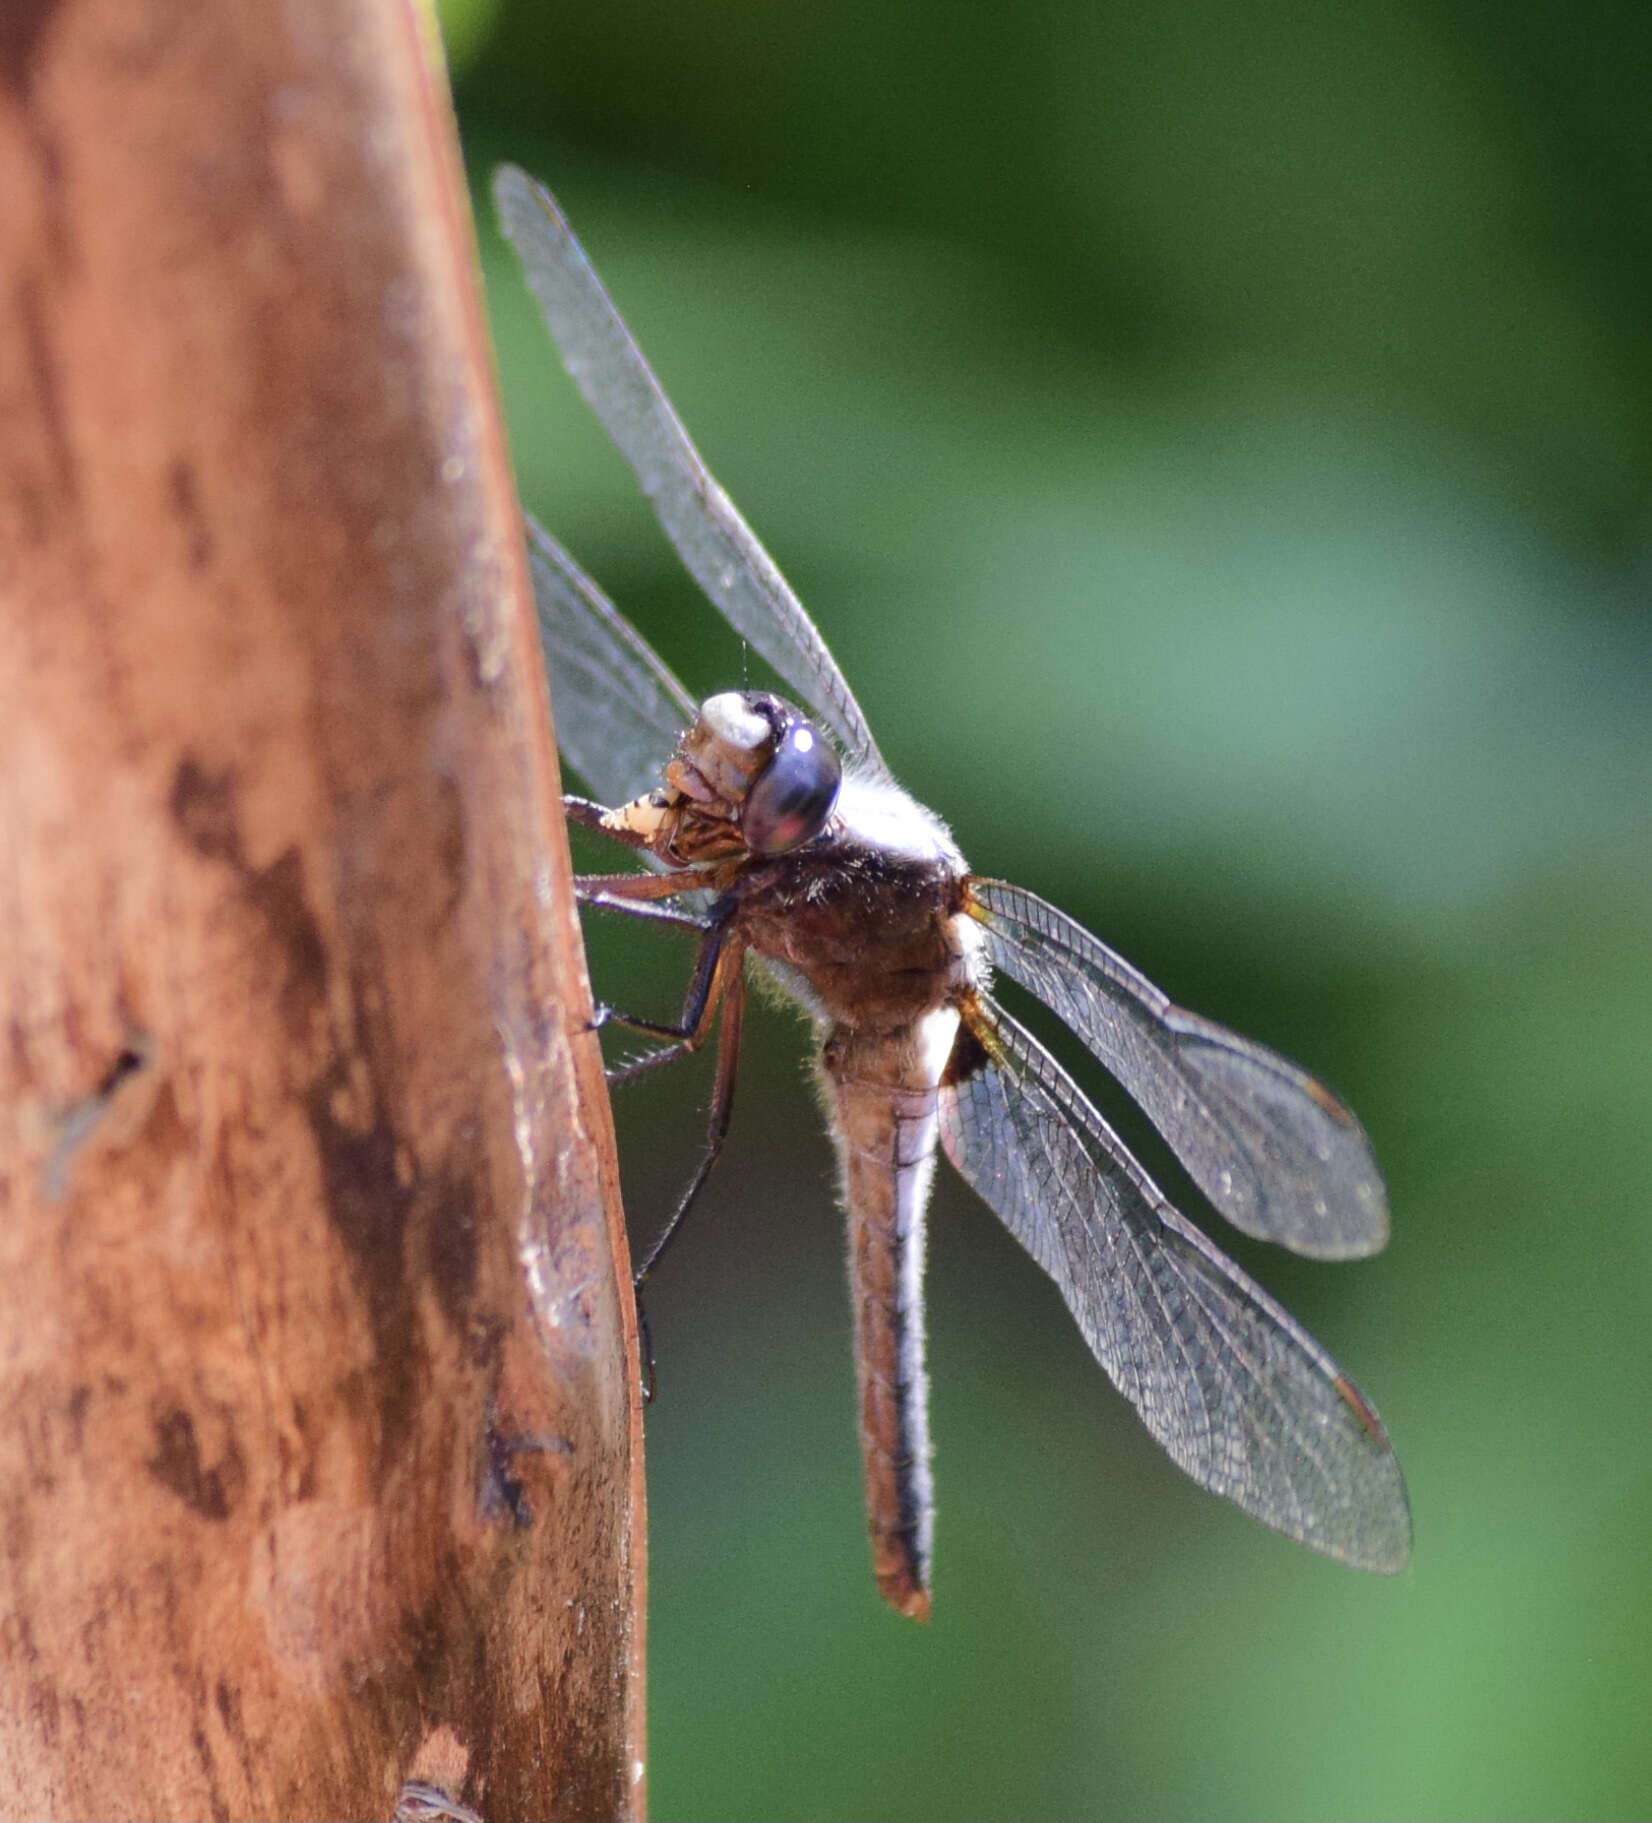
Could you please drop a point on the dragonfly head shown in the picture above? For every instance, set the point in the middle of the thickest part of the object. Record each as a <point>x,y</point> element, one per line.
<point>753,761</point>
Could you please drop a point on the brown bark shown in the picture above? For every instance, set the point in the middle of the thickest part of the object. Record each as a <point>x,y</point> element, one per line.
<point>319,1453</point>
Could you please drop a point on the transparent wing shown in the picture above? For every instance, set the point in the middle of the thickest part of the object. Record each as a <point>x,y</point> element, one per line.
<point>1242,1398</point>
<point>1275,1152</point>
<point>618,711</point>
<point>714,542</point>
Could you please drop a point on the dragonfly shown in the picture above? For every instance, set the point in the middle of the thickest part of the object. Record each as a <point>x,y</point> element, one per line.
<point>775,831</point>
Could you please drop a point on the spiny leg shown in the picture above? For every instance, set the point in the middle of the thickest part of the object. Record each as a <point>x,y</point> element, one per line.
<point>718,982</point>
<point>637,896</point>
<point>730,989</point>
<point>590,890</point>
<point>689,1031</point>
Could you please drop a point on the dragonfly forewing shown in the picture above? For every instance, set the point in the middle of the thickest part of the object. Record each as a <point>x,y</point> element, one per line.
<point>618,711</point>
<point>718,548</point>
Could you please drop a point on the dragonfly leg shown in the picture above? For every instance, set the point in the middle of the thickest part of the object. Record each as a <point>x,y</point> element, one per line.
<point>706,986</point>
<point>620,1073</point>
<point>622,893</point>
<point>732,993</point>
<point>718,983</point>
<point>636,896</point>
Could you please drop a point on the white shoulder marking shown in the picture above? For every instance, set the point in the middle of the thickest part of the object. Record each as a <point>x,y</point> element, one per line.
<point>879,814</point>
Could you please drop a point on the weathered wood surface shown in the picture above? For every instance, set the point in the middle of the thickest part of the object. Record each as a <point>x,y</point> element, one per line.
<point>319,1454</point>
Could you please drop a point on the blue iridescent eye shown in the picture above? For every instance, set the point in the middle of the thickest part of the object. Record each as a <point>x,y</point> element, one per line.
<point>792,797</point>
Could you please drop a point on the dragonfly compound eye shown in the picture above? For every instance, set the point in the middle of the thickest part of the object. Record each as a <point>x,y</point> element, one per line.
<point>793,795</point>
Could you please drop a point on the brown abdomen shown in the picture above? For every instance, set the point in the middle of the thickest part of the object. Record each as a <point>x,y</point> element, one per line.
<point>882,1088</point>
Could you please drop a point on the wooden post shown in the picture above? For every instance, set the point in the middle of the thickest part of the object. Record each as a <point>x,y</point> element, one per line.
<point>319,1446</point>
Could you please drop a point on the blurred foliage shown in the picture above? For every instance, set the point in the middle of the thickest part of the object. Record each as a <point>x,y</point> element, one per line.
<point>1217,442</point>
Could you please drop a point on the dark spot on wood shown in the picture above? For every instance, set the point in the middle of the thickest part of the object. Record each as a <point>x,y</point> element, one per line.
<point>23,26</point>
<point>43,1706</point>
<point>16,1632</point>
<point>369,1207</point>
<point>445,1648</point>
<point>450,1214</point>
<point>16,1547</point>
<point>298,1459</point>
<point>486,1335</point>
<point>127,1062</point>
<point>203,1752</point>
<point>51,168</point>
<point>366,1199</point>
<point>80,1123</point>
<point>503,1498</point>
<point>278,893</point>
<point>176,1464</point>
<point>203,807</point>
<point>449,815</point>
<point>186,508</point>
<point>42,363</point>
<point>426,1640</point>
<point>227,1700</point>
<point>369,1201</point>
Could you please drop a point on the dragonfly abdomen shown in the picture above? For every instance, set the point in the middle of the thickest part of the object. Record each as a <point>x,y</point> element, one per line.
<point>882,1094</point>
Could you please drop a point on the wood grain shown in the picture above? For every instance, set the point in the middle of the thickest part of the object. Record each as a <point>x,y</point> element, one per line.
<point>319,1450</point>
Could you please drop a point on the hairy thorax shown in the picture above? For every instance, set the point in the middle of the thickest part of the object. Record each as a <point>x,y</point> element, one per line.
<point>869,918</point>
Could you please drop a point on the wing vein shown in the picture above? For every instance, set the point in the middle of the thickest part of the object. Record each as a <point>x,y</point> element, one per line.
<point>717,547</point>
<point>1278,1155</point>
<point>1237,1393</point>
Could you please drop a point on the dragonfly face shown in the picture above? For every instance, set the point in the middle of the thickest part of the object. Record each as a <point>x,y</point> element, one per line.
<point>805,854</point>
<point>751,778</point>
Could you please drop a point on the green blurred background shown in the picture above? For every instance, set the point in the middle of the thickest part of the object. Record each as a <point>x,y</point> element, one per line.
<point>1217,442</point>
